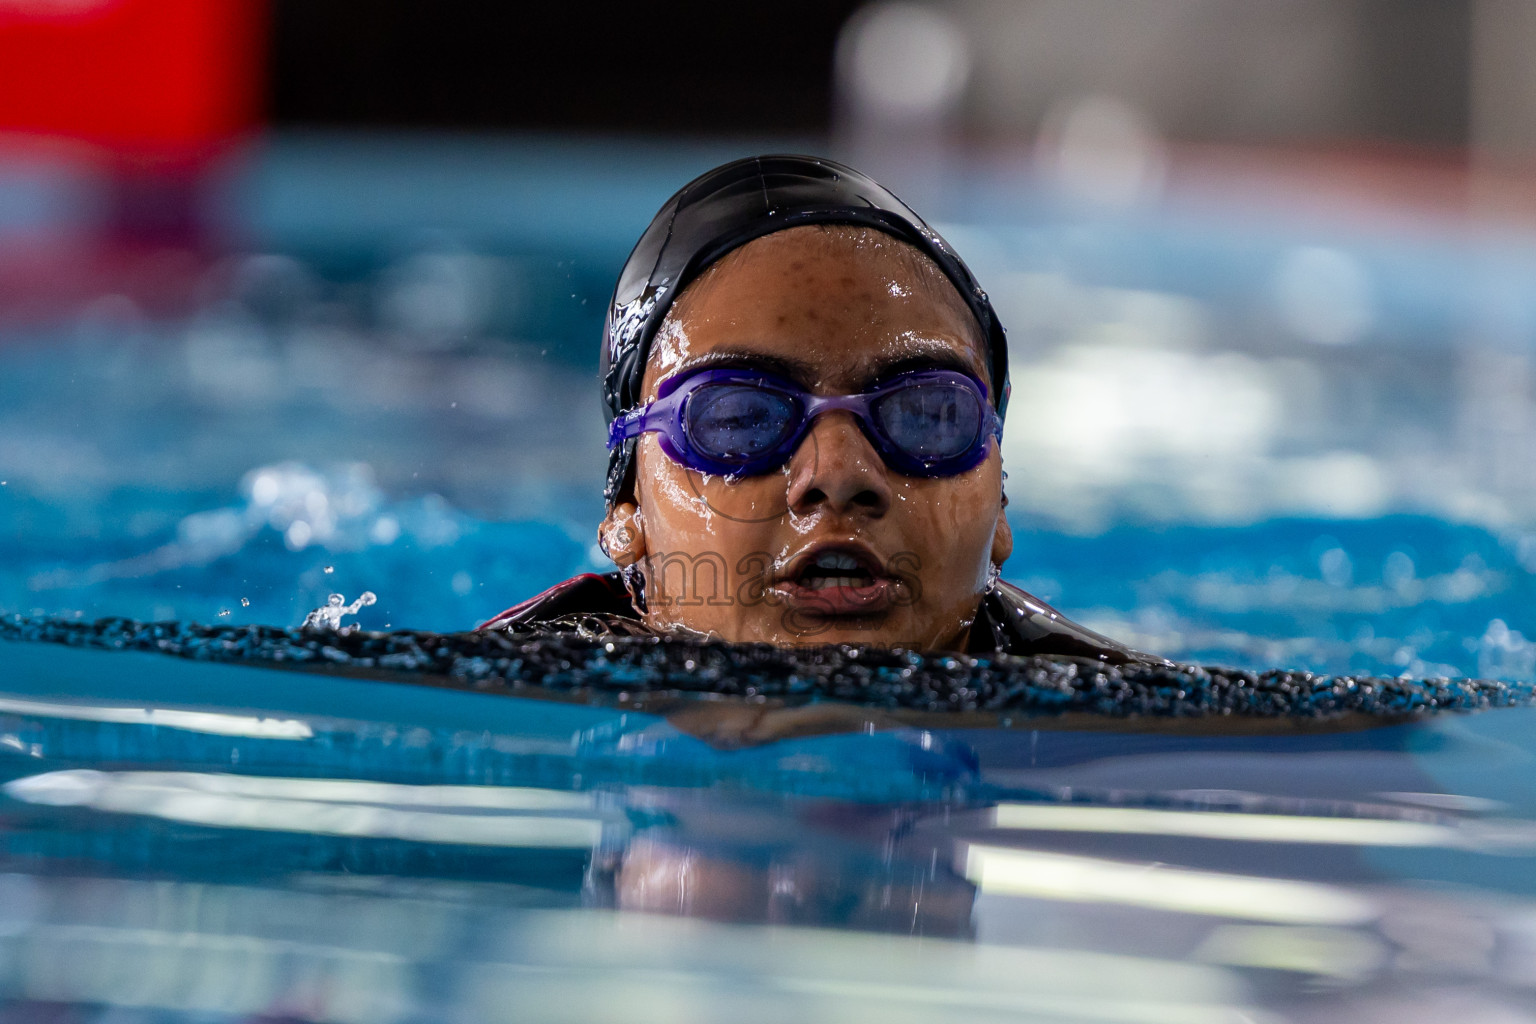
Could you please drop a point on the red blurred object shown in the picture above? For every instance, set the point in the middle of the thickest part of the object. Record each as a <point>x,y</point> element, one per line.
<point>142,78</point>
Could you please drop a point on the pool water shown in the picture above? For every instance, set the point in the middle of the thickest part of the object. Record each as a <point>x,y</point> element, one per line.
<point>359,397</point>
<point>188,841</point>
<point>1396,595</point>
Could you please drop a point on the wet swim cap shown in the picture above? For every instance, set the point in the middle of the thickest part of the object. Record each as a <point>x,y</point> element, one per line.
<point>727,208</point>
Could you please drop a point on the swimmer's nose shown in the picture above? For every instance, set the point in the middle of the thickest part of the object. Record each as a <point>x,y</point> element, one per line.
<point>836,467</point>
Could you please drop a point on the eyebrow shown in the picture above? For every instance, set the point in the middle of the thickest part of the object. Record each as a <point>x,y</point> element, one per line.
<point>938,359</point>
<point>938,356</point>
<point>796,370</point>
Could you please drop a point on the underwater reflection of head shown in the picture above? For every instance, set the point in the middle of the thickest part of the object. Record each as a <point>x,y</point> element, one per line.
<point>805,389</point>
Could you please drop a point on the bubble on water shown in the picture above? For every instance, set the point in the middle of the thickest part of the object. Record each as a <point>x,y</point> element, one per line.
<point>329,615</point>
<point>297,535</point>
<point>1525,551</point>
<point>1336,567</point>
<point>1398,570</point>
<point>385,530</point>
<point>1505,653</point>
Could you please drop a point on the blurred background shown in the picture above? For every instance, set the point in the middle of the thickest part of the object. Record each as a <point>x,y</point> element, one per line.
<point>303,296</point>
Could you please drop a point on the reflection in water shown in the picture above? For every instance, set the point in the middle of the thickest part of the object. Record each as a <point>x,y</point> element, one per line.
<point>189,950</point>
<point>833,865</point>
<point>503,858</point>
<point>216,722</point>
<point>841,867</point>
<point>333,807</point>
<point>1056,876</point>
<point>1266,828</point>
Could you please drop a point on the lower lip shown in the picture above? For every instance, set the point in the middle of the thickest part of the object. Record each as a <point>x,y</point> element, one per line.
<point>874,598</point>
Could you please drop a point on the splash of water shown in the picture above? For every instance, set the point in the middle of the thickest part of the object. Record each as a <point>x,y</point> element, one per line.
<point>329,615</point>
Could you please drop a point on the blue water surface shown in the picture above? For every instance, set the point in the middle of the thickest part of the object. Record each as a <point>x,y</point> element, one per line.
<point>185,841</point>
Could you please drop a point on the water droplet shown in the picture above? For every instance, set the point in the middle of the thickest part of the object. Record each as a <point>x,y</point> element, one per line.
<point>336,607</point>
<point>330,569</point>
<point>245,602</point>
<point>224,613</point>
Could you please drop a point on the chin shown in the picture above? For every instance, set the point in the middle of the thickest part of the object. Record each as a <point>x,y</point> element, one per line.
<point>883,634</point>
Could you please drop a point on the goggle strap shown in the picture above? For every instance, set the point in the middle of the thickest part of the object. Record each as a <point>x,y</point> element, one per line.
<point>631,424</point>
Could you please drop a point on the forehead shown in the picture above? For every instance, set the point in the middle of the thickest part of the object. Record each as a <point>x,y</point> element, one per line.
<point>841,301</point>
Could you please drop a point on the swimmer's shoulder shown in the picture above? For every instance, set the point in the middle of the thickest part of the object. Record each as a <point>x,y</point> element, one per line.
<point>1014,621</point>
<point>599,595</point>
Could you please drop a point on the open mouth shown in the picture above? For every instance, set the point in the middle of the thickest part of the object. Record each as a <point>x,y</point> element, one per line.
<point>838,582</point>
<point>834,569</point>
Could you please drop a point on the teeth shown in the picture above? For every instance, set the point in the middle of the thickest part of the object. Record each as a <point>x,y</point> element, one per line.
<point>836,560</point>
<point>827,582</point>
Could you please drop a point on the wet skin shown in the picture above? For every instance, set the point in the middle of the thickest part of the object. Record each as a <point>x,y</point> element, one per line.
<point>837,309</point>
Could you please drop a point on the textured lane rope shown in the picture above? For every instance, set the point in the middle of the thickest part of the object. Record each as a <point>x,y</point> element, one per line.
<point>634,666</point>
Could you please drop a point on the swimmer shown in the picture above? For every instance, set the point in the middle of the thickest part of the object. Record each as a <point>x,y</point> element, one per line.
<point>805,389</point>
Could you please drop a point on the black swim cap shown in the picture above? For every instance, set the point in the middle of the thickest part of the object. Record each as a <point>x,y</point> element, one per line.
<point>727,208</point>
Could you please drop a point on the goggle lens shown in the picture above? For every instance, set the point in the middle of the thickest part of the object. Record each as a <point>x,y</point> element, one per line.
<point>930,423</point>
<point>738,423</point>
<point>741,423</point>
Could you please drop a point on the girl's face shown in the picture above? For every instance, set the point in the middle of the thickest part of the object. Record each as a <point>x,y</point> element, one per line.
<point>834,546</point>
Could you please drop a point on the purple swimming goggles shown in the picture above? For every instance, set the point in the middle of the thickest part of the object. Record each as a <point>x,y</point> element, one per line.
<point>739,422</point>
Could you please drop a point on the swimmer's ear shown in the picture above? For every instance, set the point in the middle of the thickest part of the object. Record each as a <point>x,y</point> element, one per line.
<point>622,534</point>
<point>1002,537</point>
